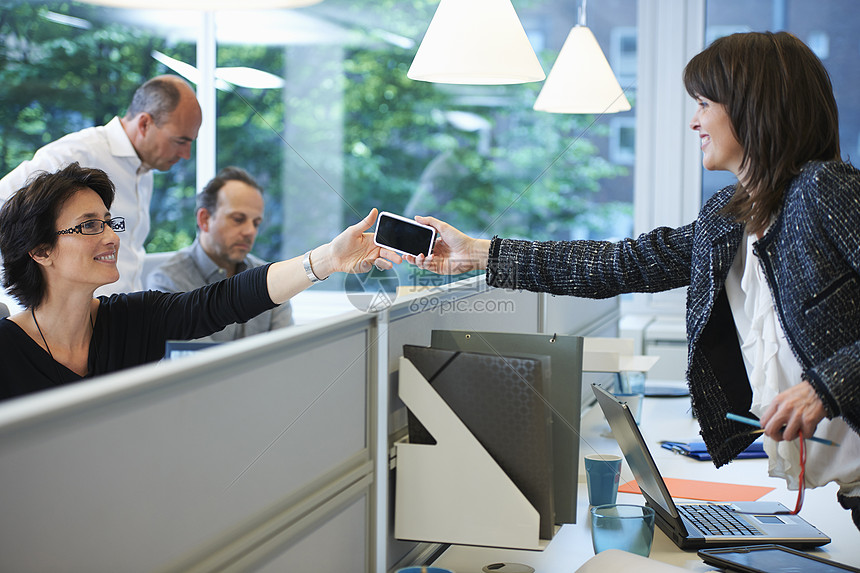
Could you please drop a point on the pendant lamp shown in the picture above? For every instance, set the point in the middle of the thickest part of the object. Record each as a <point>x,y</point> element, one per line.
<point>581,80</point>
<point>477,42</point>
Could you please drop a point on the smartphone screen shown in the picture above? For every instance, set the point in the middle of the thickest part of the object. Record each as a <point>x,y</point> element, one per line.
<point>404,235</point>
<point>771,558</point>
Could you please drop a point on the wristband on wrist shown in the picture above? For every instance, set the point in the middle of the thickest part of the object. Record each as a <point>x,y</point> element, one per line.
<point>309,270</point>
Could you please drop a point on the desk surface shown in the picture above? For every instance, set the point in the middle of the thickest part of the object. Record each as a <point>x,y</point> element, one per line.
<point>663,419</point>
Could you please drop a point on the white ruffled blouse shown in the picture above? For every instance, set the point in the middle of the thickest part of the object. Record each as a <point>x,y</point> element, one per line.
<point>772,367</point>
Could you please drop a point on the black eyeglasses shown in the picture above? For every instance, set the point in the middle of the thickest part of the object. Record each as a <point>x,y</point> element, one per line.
<point>96,227</point>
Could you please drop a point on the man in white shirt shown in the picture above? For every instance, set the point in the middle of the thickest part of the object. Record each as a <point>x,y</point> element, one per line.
<point>155,133</point>
<point>229,214</point>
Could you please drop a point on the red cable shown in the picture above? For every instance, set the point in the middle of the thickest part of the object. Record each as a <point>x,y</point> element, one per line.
<point>801,485</point>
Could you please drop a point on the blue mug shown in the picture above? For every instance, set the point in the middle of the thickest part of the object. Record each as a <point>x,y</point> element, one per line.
<point>602,473</point>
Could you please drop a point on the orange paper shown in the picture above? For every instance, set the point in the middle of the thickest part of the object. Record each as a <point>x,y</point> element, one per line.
<point>705,490</point>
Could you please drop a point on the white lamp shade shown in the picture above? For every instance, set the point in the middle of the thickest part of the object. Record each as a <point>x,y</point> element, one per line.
<point>479,42</point>
<point>204,5</point>
<point>581,80</point>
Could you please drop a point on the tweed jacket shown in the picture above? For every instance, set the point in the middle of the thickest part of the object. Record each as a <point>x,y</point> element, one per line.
<point>811,258</point>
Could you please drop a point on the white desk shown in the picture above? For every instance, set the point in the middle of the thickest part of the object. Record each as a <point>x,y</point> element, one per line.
<point>663,419</point>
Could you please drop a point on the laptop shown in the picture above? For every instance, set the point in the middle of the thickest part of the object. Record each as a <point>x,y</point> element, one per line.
<point>694,526</point>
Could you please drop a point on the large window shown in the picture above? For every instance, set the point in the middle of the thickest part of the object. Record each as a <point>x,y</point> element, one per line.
<point>316,104</point>
<point>828,27</point>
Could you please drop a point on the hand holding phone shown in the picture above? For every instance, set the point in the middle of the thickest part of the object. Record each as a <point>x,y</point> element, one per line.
<point>404,236</point>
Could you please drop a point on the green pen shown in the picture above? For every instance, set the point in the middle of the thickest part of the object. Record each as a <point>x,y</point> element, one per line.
<point>751,422</point>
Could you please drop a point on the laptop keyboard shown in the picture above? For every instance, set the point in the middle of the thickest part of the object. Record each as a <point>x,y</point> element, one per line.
<point>714,519</point>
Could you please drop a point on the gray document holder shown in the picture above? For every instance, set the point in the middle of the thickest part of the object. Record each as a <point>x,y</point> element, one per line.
<point>454,491</point>
<point>565,395</point>
<point>500,400</point>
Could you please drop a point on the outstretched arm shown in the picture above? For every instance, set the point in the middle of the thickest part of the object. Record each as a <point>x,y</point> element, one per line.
<point>351,251</point>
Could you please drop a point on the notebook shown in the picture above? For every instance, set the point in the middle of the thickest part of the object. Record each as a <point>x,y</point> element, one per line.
<point>697,450</point>
<point>498,398</point>
<point>564,395</point>
<point>701,525</point>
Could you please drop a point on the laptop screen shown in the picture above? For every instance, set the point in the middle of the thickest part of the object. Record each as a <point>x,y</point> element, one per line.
<point>179,348</point>
<point>635,451</point>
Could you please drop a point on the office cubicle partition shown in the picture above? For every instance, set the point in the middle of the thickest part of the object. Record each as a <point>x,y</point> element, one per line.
<point>218,459</point>
<point>266,454</point>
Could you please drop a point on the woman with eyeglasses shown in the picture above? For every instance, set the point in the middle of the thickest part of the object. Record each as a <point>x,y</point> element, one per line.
<point>59,243</point>
<point>771,264</point>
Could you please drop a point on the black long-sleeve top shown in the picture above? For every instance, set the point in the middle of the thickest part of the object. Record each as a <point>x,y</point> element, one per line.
<point>131,329</point>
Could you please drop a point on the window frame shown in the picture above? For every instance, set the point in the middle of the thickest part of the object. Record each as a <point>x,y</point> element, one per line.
<point>668,179</point>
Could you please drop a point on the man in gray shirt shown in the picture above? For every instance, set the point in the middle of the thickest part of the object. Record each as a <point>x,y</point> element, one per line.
<point>229,213</point>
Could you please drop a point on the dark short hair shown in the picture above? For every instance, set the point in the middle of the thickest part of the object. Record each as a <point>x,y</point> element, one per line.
<point>208,198</point>
<point>158,97</point>
<point>780,100</point>
<point>28,221</point>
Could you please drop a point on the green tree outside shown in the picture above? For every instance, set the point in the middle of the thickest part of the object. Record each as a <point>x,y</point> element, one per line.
<point>527,173</point>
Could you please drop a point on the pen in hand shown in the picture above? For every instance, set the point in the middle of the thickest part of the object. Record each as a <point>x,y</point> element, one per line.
<point>751,422</point>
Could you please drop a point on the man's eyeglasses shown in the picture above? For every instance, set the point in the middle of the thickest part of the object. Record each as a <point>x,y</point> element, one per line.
<point>96,227</point>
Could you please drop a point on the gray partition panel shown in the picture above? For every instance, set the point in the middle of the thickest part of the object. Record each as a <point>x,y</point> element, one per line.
<point>344,532</point>
<point>169,460</point>
<point>245,456</point>
<point>580,316</point>
<point>469,305</point>
<point>583,317</point>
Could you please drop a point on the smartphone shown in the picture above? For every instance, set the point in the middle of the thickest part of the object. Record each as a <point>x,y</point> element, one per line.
<point>768,558</point>
<point>405,236</point>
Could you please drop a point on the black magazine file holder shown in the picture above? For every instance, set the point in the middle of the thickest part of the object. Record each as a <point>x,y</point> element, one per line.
<point>565,396</point>
<point>500,400</point>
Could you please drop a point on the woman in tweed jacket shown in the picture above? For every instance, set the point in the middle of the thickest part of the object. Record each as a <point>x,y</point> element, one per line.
<point>771,263</point>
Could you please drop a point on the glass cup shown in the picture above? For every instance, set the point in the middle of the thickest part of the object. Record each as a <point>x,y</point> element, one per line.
<point>620,526</point>
<point>602,473</point>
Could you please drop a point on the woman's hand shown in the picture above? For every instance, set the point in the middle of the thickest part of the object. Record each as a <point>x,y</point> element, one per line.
<point>454,252</point>
<point>353,251</point>
<point>797,409</point>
